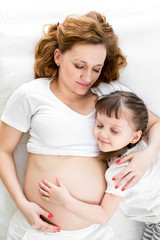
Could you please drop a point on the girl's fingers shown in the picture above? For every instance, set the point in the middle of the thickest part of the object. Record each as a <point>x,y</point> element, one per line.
<point>43,192</point>
<point>47,183</point>
<point>45,198</point>
<point>44,186</point>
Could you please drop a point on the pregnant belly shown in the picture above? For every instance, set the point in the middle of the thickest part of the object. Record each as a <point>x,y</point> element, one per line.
<point>84,177</point>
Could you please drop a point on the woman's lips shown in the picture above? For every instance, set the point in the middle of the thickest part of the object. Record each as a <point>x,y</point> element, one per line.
<point>83,84</point>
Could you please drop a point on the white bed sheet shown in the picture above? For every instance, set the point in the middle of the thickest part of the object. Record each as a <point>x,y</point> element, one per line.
<point>137,24</point>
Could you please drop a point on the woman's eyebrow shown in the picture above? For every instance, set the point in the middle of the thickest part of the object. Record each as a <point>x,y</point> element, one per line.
<point>86,62</point>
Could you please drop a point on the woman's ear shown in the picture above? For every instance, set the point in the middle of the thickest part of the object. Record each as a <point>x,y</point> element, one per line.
<point>57,56</point>
<point>136,137</point>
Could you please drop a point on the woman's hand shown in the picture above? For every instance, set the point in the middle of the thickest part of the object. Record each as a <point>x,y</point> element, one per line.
<point>33,213</point>
<point>139,164</point>
<point>56,194</point>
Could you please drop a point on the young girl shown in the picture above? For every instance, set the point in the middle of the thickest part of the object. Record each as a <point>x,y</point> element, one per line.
<point>121,121</point>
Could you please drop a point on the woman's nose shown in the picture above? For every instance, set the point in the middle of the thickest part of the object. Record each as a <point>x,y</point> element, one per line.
<point>87,77</point>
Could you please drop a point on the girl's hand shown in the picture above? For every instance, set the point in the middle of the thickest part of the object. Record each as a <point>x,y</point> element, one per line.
<point>139,164</point>
<point>33,213</point>
<point>56,194</point>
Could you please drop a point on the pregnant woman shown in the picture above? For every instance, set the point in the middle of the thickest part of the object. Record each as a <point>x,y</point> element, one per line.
<point>76,63</point>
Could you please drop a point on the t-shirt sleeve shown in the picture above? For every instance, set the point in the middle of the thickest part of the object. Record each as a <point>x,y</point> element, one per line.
<point>107,88</point>
<point>17,112</point>
<point>110,173</point>
<point>120,87</point>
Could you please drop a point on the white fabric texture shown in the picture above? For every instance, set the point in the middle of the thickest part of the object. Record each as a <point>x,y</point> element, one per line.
<point>54,128</point>
<point>20,229</point>
<point>137,24</point>
<point>141,202</point>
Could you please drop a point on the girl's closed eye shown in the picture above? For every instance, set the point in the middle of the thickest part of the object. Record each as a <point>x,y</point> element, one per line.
<point>114,131</point>
<point>99,126</point>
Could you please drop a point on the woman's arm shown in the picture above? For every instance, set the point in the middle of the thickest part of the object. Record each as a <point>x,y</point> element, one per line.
<point>9,139</point>
<point>141,161</point>
<point>60,195</point>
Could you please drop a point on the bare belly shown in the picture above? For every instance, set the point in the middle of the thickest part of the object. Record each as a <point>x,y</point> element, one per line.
<point>83,176</point>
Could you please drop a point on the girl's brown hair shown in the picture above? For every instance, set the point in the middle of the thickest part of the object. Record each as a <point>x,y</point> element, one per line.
<point>91,28</point>
<point>114,104</point>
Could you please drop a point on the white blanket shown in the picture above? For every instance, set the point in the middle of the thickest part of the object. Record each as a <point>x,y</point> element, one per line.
<point>137,23</point>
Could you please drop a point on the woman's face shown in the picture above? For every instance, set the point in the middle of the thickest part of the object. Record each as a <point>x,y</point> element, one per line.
<point>80,67</point>
<point>113,134</point>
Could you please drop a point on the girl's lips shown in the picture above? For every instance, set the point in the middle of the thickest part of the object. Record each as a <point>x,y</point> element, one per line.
<point>103,142</point>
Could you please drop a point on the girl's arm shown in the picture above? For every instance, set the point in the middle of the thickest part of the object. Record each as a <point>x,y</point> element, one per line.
<point>9,139</point>
<point>60,195</point>
<point>142,160</point>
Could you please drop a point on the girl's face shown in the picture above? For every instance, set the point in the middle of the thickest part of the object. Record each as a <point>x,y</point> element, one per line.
<point>113,134</point>
<point>80,67</point>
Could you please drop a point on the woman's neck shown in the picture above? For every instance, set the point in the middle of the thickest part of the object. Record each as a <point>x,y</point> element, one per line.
<point>82,104</point>
<point>63,93</point>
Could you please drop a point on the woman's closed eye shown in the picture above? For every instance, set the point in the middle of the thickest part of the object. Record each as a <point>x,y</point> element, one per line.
<point>97,71</point>
<point>79,67</point>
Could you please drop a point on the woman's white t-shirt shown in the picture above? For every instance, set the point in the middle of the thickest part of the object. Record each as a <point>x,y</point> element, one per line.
<point>54,128</point>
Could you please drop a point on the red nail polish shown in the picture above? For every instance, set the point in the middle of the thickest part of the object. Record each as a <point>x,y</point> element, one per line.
<point>123,189</point>
<point>116,187</point>
<point>113,179</point>
<point>50,215</point>
<point>118,161</point>
<point>58,229</point>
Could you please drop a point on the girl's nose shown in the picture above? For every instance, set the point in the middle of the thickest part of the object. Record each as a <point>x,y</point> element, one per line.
<point>104,134</point>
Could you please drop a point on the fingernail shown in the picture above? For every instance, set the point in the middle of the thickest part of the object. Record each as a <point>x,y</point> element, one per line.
<point>123,189</point>
<point>113,179</point>
<point>50,215</point>
<point>116,187</point>
<point>58,229</point>
<point>118,161</point>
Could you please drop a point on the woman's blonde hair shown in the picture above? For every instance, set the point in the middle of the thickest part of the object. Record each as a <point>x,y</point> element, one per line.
<point>91,28</point>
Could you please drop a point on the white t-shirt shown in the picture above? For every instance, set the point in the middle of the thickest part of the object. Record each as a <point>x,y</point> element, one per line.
<point>54,128</point>
<point>141,202</point>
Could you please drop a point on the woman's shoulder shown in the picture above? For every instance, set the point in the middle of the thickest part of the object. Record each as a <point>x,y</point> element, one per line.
<point>106,88</point>
<point>32,86</point>
<point>35,83</point>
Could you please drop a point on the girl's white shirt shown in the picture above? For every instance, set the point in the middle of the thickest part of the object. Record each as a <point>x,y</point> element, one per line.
<point>141,202</point>
<point>54,128</point>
